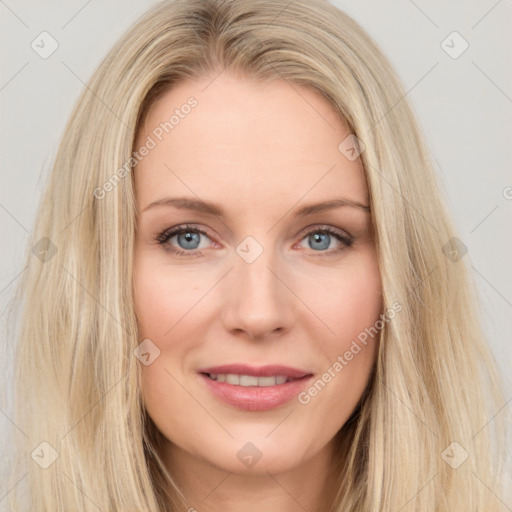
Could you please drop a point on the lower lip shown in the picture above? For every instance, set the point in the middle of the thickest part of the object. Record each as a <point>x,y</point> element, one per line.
<point>256,398</point>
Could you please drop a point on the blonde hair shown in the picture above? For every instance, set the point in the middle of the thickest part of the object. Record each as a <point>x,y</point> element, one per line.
<point>76,374</point>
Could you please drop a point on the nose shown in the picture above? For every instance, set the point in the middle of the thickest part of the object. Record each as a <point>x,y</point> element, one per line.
<point>258,304</point>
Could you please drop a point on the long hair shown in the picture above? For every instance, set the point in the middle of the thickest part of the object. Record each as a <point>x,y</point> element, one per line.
<point>435,387</point>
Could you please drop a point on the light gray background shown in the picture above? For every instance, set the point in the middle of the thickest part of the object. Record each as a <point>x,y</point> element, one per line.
<point>464,106</point>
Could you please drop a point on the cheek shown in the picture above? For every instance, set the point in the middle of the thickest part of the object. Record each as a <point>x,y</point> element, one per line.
<point>348,301</point>
<point>161,301</point>
<point>153,303</point>
<point>353,313</point>
<point>169,311</point>
<point>351,306</point>
<point>162,297</point>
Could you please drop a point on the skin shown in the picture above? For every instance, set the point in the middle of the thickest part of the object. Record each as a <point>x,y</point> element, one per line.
<point>260,151</point>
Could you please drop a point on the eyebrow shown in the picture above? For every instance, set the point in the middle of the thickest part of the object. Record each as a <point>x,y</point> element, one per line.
<point>198,205</point>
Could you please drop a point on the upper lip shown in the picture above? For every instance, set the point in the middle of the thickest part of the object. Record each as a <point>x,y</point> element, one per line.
<point>270,370</point>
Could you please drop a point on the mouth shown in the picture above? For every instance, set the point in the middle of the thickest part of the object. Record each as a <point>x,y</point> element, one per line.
<point>249,380</point>
<point>255,388</point>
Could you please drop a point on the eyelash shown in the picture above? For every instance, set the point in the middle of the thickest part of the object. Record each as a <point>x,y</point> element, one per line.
<point>166,235</point>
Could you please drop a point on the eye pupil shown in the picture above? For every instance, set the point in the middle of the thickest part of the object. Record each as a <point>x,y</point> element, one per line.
<point>323,238</point>
<point>189,238</point>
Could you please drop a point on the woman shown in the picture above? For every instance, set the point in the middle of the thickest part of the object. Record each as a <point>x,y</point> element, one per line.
<point>244,288</point>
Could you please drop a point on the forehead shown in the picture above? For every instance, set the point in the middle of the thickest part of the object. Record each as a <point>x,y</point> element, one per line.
<point>239,139</point>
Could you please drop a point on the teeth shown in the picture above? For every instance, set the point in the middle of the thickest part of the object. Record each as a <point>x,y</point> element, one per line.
<point>268,381</point>
<point>248,380</point>
<point>280,379</point>
<point>232,379</point>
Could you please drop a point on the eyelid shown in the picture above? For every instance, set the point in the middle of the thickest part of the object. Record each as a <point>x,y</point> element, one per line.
<point>313,228</point>
<point>169,232</point>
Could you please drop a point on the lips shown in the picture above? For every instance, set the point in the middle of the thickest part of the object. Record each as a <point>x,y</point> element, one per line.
<point>254,388</point>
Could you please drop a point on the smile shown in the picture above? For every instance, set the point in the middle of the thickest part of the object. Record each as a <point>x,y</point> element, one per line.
<point>254,389</point>
<point>248,380</point>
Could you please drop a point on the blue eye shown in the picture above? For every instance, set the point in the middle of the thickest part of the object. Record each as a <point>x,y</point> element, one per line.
<point>319,239</point>
<point>187,238</point>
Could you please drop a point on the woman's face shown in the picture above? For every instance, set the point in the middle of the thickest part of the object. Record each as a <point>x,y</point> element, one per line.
<point>271,278</point>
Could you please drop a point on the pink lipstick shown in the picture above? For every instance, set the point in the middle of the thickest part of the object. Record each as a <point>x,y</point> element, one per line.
<point>255,388</point>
